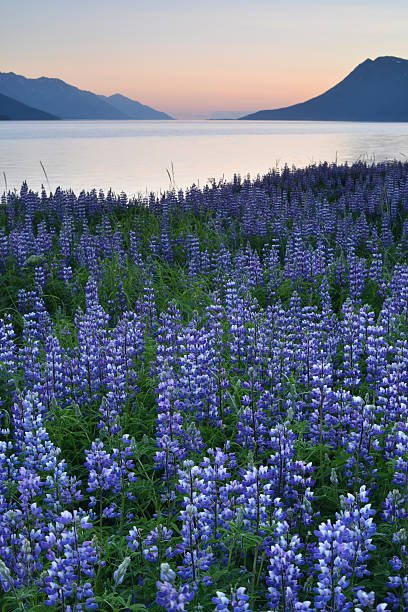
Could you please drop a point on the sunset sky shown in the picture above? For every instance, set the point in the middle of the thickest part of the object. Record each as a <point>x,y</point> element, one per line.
<point>192,58</point>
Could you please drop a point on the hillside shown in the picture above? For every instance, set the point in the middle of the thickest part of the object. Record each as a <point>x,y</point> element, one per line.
<point>11,109</point>
<point>66,101</point>
<point>133,109</point>
<point>376,90</point>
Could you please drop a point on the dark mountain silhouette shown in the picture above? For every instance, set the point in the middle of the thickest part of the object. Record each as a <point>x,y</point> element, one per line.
<point>13,110</point>
<point>58,98</point>
<point>133,109</point>
<point>376,90</point>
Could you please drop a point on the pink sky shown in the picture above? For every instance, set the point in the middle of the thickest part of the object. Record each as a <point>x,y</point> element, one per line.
<point>192,58</point>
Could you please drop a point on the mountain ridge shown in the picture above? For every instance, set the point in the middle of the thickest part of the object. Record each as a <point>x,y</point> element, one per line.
<point>134,109</point>
<point>13,110</point>
<point>56,97</point>
<point>375,90</point>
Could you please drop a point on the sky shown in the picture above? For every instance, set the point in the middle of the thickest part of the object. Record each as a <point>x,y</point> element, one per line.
<point>196,58</point>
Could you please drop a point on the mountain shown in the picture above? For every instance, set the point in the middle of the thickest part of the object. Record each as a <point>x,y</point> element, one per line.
<point>13,109</point>
<point>56,97</point>
<point>376,90</point>
<point>59,98</point>
<point>133,109</point>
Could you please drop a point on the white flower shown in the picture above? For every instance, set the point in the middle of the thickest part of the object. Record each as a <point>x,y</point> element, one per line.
<point>119,574</point>
<point>166,573</point>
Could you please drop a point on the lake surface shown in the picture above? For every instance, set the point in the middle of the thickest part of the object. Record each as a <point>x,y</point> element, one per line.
<point>133,155</point>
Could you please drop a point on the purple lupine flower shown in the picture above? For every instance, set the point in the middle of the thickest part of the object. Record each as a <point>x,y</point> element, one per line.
<point>172,599</point>
<point>398,597</point>
<point>285,559</point>
<point>109,472</point>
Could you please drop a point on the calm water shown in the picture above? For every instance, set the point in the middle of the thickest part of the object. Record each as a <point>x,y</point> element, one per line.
<point>133,155</point>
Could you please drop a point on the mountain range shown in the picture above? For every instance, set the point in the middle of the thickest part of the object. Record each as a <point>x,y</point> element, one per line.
<point>46,98</point>
<point>376,90</point>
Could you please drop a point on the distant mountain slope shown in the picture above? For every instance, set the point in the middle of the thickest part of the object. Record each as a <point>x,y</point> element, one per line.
<point>132,108</point>
<point>58,98</point>
<point>376,90</point>
<point>11,109</point>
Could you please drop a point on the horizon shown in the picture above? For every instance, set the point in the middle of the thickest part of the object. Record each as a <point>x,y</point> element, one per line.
<point>208,59</point>
<point>219,115</point>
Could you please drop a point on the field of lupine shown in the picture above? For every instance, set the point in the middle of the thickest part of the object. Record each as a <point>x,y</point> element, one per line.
<point>204,396</point>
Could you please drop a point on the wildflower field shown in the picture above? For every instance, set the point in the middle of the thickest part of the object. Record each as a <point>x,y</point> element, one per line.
<point>204,395</point>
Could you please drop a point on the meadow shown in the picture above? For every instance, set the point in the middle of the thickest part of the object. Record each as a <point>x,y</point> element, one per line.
<point>204,395</point>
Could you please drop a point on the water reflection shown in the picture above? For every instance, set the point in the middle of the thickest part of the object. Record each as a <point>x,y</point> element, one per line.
<point>133,155</point>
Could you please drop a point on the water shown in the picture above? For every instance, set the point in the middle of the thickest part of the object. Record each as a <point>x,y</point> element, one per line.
<point>133,155</point>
